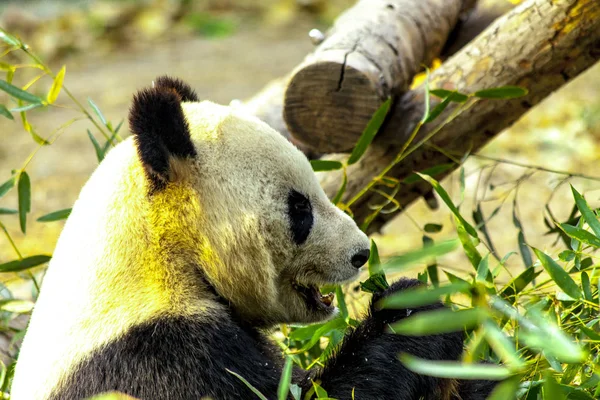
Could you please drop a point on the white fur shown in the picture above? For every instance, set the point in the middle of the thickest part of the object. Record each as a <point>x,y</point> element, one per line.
<point>108,272</point>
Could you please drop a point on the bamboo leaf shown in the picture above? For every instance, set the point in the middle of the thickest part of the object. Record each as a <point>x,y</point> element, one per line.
<point>450,369</point>
<point>516,285</point>
<point>7,211</point>
<point>580,234</point>
<point>99,150</point>
<point>425,254</point>
<point>286,379</point>
<point>370,131</point>
<point>9,39</point>
<point>4,111</point>
<point>19,93</point>
<point>502,345</point>
<point>483,269</point>
<point>55,216</point>
<point>56,85</point>
<point>24,192</point>
<point>586,212</point>
<point>421,296</point>
<point>25,263</point>
<point>558,275</point>
<point>6,186</point>
<point>503,92</point>
<point>443,94</point>
<point>325,165</point>
<point>444,195</point>
<point>439,321</point>
<point>433,171</point>
<point>97,111</point>
<point>16,306</point>
<point>248,384</point>
<point>438,109</point>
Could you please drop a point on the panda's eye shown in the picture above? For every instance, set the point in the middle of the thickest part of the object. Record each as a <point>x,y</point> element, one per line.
<point>300,216</point>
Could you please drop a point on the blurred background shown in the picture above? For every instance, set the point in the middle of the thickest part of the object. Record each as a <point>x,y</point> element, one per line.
<point>230,49</point>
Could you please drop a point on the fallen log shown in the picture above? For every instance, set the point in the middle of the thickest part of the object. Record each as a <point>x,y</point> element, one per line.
<point>539,45</point>
<point>373,51</point>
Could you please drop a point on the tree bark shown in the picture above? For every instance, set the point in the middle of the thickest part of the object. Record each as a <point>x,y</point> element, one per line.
<point>268,103</point>
<point>540,45</point>
<point>373,51</point>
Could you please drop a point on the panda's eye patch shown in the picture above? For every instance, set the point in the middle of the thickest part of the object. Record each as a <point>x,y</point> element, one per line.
<point>300,216</point>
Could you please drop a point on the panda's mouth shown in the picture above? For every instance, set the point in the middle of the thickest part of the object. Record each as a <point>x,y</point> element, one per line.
<point>313,297</point>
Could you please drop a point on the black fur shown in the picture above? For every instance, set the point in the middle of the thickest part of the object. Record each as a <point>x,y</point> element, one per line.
<point>160,130</point>
<point>300,215</point>
<point>183,89</point>
<point>179,358</point>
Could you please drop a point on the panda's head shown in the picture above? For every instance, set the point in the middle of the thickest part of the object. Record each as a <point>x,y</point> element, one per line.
<point>242,206</point>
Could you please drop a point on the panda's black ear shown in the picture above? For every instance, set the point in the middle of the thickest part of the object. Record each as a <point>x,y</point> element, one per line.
<point>160,131</point>
<point>183,89</point>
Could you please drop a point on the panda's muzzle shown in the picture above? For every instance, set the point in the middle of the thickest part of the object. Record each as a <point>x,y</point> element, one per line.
<point>313,297</point>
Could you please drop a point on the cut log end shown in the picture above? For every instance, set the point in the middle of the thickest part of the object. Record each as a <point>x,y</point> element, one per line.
<point>328,105</point>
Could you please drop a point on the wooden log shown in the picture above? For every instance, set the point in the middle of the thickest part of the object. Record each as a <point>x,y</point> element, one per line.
<point>539,45</point>
<point>373,51</point>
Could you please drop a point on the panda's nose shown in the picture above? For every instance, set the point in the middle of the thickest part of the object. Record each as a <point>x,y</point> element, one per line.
<point>359,259</point>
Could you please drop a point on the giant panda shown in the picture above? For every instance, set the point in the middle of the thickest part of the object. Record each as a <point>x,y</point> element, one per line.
<point>191,239</point>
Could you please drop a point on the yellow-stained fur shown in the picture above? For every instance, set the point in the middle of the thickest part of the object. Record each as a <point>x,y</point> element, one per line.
<point>125,257</point>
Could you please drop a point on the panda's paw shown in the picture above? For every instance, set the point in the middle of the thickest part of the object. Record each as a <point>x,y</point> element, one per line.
<point>386,316</point>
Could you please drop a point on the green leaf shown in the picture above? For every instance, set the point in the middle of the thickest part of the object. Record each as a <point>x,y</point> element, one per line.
<point>56,85</point>
<point>97,111</point>
<point>549,338</point>
<point>567,255</point>
<point>425,254</point>
<point>26,108</point>
<point>586,286</point>
<point>55,216</point>
<point>338,196</point>
<point>19,93</point>
<point>286,379</point>
<point>375,284</point>
<point>16,306</point>
<point>580,234</point>
<point>421,296</point>
<point>456,96</point>
<point>325,165</point>
<point>506,389</point>
<point>437,110</point>
<point>444,195</point>
<point>25,263</point>
<point>468,246</point>
<point>558,275</point>
<point>433,171</point>
<point>433,228</point>
<point>7,211</point>
<point>516,285</point>
<point>502,345</point>
<point>503,92</point>
<point>9,39</point>
<point>586,212</point>
<point>451,369</point>
<point>24,191</point>
<point>483,269</point>
<point>370,131</point>
<point>248,384</point>
<point>4,111</point>
<point>374,263</point>
<point>551,389</point>
<point>341,300</point>
<point>6,186</point>
<point>439,321</point>
<point>99,150</point>
<point>337,323</point>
